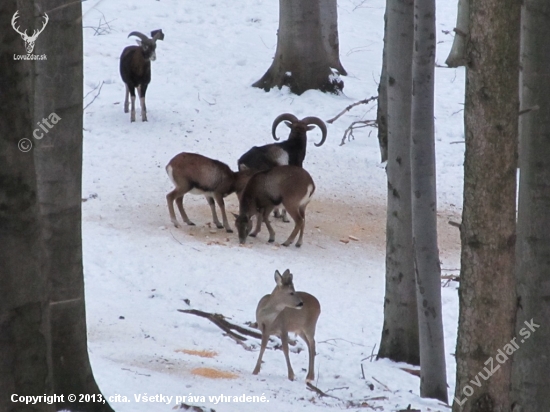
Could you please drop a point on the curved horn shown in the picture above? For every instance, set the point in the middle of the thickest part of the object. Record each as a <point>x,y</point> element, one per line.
<point>142,36</point>
<point>317,122</point>
<point>159,35</point>
<point>285,116</point>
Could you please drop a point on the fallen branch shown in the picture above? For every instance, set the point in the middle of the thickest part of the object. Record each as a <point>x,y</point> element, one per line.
<point>364,404</point>
<point>414,372</point>
<point>371,357</point>
<point>337,389</point>
<point>219,321</point>
<point>351,106</point>
<point>193,408</point>
<point>137,373</point>
<point>345,340</point>
<point>319,392</point>
<point>455,224</point>
<point>240,342</point>
<point>349,131</point>
<point>388,389</point>
<point>450,278</point>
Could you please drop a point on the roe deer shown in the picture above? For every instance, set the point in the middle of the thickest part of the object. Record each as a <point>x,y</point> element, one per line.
<point>283,311</point>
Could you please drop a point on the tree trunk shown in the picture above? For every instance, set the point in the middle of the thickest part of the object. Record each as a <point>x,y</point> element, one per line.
<point>25,362</point>
<point>59,170</point>
<point>307,48</point>
<point>400,331</point>
<point>433,382</point>
<point>530,378</point>
<point>382,108</point>
<point>457,55</point>
<point>487,284</point>
<point>329,31</point>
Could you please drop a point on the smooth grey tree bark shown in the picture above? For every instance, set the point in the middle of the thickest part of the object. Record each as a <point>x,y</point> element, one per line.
<point>487,293</point>
<point>433,378</point>
<point>307,48</point>
<point>457,55</point>
<point>382,107</point>
<point>25,363</point>
<point>58,157</point>
<point>329,32</point>
<point>530,377</point>
<point>400,330</point>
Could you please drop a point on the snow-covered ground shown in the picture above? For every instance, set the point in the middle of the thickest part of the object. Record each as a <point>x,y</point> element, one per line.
<point>139,269</point>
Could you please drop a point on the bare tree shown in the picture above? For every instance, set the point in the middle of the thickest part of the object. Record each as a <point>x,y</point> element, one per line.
<point>58,158</point>
<point>457,55</point>
<point>400,330</point>
<point>433,382</point>
<point>530,378</point>
<point>329,32</point>
<point>24,312</point>
<point>307,48</point>
<point>487,285</point>
<point>382,108</point>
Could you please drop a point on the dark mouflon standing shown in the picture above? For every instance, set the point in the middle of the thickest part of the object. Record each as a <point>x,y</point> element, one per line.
<point>135,69</point>
<point>289,152</point>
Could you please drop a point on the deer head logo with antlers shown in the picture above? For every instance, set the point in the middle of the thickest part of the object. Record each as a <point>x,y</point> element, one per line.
<point>29,40</point>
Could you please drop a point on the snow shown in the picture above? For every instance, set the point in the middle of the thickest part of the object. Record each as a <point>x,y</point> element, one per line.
<point>139,269</point>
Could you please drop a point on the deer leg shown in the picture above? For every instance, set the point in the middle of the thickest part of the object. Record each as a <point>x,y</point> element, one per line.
<point>213,209</point>
<point>303,215</point>
<point>141,91</point>
<point>311,352</point>
<point>126,99</point>
<point>268,225</point>
<point>219,200</point>
<point>265,338</point>
<point>258,225</point>
<point>280,212</point>
<point>298,224</point>
<point>285,216</point>
<point>177,196</point>
<point>132,105</point>
<point>284,341</point>
<point>170,197</point>
<point>179,202</point>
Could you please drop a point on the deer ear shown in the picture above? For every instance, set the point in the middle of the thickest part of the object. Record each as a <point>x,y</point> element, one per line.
<point>138,42</point>
<point>287,277</point>
<point>288,124</point>
<point>278,278</point>
<point>310,127</point>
